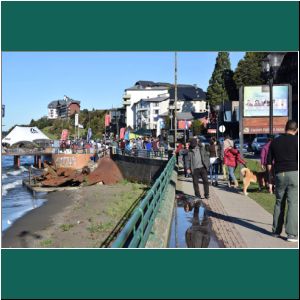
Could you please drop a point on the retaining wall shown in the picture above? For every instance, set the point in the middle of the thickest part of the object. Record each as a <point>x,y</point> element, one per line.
<point>144,170</point>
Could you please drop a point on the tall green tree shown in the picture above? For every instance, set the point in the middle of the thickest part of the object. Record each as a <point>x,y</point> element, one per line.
<point>221,85</point>
<point>249,70</point>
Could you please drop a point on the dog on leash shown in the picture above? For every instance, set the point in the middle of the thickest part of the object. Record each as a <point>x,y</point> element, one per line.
<point>249,176</point>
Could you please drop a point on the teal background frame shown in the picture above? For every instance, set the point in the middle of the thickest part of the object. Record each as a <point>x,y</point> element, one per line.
<point>128,26</point>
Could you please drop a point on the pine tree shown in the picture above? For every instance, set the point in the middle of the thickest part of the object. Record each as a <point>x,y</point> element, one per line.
<point>221,85</point>
<point>248,71</point>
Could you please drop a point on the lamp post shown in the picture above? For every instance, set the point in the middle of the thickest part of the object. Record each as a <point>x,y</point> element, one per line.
<point>216,109</point>
<point>270,65</point>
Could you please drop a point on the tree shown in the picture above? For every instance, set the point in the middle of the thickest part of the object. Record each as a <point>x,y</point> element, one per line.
<point>221,84</point>
<point>248,71</point>
<point>197,127</point>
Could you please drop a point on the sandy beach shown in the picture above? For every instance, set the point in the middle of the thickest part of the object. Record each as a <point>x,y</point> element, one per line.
<point>81,218</point>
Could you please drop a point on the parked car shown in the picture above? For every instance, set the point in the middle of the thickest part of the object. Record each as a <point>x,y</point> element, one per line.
<point>237,145</point>
<point>258,144</point>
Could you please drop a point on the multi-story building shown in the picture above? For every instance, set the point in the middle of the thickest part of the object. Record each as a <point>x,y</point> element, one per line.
<point>141,90</point>
<point>148,103</point>
<point>117,119</point>
<point>63,108</point>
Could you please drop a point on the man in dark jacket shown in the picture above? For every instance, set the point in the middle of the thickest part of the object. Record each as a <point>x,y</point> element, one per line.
<point>283,152</point>
<point>198,165</point>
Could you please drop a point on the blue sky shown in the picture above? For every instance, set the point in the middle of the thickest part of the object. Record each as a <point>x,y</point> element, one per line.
<point>30,80</point>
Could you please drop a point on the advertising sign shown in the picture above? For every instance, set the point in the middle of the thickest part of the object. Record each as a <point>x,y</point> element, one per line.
<point>257,101</point>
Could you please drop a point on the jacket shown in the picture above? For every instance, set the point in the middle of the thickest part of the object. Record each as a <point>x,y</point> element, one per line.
<point>191,158</point>
<point>264,154</point>
<point>232,157</point>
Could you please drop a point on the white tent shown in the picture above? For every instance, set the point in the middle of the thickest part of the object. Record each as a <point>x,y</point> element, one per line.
<point>24,134</point>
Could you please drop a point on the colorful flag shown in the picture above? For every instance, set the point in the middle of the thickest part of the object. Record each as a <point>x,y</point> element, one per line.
<point>89,134</point>
<point>64,135</point>
<point>107,120</point>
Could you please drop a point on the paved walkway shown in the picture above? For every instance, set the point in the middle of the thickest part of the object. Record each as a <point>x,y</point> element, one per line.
<point>237,220</point>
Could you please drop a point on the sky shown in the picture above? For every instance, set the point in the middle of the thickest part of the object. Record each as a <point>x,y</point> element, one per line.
<point>30,80</point>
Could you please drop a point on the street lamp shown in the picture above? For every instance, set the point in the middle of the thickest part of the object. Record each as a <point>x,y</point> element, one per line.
<point>270,65</point>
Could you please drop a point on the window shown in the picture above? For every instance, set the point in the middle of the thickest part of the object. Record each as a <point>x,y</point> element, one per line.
<point>156,111</point>
<point>156,104</point>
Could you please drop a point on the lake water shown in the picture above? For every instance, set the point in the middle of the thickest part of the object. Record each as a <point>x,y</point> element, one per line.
<point>16,199</point>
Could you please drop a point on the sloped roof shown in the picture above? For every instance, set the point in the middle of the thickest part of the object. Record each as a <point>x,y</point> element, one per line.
<point>56,103</point>
<point>187,92</point>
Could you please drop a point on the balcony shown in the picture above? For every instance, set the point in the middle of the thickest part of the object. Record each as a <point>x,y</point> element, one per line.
<point>126,102</point>
<point>126,96</point>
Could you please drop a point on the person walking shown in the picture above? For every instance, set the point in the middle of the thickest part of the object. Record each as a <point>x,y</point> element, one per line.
<point>184,153</point>
<point>198,165</point>
<point>284,152</point>
<point>228,142</point>
<point>214,157</point>
<point>263,161</point>
<point>231,159</point>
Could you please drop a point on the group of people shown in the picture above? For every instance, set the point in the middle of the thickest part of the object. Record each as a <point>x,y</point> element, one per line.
<point>216,158</point>
<point>279,158</point>
<point>140,145</point>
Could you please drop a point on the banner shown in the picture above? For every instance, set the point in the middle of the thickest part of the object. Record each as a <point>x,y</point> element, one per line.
<point>89,134</point>
<point>107,120</point>
<point>122,133</point>
<point>257,101</point>
<point>64,135</point>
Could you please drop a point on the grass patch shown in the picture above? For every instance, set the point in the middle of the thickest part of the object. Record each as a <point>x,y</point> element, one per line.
<point>46,243</point>
<point>263,198</point>
<point>66,227</point>
<point>118,208</point>
<point>99,227</point>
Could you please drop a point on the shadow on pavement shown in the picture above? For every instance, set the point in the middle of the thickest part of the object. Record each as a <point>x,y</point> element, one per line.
<point>240,222</point>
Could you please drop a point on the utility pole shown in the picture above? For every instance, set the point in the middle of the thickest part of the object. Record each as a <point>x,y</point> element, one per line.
<point>175,102</point>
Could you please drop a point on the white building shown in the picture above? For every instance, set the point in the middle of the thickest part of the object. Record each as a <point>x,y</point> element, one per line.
<point>148,103</point>
<point>141,90</point>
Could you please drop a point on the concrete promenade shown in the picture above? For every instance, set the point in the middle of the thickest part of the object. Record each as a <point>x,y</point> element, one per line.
<point>237,220</point>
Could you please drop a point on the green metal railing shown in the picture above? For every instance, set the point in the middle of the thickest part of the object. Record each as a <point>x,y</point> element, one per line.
<point>136,231</point>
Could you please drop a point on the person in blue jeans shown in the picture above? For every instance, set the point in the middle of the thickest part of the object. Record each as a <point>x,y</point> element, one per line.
<point>214,159</point>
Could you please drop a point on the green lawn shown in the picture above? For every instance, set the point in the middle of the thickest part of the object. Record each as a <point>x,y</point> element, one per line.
<point>263,198</point>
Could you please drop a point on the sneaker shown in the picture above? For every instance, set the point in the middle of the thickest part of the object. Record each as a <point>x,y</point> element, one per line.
<point>292,238</point>
<point>207,197</point>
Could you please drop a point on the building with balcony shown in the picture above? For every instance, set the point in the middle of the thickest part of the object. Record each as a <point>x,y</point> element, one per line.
<point>63,108</point>
<point>148,103</point>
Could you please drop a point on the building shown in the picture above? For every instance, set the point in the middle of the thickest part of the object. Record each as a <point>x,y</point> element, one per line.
<point>141,90</point>
<point>117,119</point>
<point>149,103</point>
<point>63,108</point>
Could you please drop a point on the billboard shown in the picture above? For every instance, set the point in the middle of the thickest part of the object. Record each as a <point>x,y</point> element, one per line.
<point>257,101</point>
